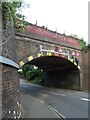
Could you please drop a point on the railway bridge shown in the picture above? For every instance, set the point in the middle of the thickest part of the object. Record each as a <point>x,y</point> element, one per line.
<point>58,55</point>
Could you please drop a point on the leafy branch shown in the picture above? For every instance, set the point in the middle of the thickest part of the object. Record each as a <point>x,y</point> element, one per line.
<point>80,40</point>
<point>10,13</point>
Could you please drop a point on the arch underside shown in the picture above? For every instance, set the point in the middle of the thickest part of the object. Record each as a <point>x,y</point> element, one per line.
<point>59,71</point>
<point>49,63</point>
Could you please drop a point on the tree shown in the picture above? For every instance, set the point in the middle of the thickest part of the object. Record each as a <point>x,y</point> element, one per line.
<point>31,74</point>
<point>88,46</point>
<point>10,11</point>
<point>80,40</point>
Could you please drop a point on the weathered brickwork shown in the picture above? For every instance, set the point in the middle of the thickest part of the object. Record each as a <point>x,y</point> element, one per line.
<point>28,43</point>
<point>11,107</point>
<point>33,42</point>
<point>8,44</point>
<point>0,65</point>
<point>86,68</point>
<point>0,90</point>
<point>45,34</point>
<point>10,92</point>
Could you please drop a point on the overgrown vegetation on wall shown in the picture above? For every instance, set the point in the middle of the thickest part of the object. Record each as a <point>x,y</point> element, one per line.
<point>81,41</point>
<point>32,74</point>
<point>10,12</point>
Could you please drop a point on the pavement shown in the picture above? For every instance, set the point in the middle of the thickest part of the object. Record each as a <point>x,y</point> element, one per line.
<point>34,108</point>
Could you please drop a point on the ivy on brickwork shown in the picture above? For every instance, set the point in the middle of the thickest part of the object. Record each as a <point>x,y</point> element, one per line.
<point>10,12</point>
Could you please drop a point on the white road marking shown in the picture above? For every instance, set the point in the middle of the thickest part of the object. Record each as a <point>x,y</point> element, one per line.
<point>54,112</point>
<point>55,93</point>
<point>85,99</point>
<point>41,101</point>
<point>51,108</point>
<point>19,115</point>
<point>59,115</point>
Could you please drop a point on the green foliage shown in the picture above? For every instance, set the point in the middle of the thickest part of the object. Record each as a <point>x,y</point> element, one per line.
<point>88,46</point>
<point>31,74</point>
<point>80,40</point>
<point>82,43</point>
<point>10,11</point>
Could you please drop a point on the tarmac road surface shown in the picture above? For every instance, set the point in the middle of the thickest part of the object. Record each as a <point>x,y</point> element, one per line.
<point>56,103</point>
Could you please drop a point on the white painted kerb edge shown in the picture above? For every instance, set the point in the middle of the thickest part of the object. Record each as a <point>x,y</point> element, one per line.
<point>8,62</point>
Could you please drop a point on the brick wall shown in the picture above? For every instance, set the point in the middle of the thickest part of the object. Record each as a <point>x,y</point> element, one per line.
<point>11,107</point>
<point>31,41</point>
<point>0,65</point>
<point>86,67</point>
<point>28,44</point>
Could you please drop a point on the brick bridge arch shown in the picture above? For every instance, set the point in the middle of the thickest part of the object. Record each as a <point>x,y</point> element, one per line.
<point>47,58</point>
<point>59,71</point>
<point>51,51</point>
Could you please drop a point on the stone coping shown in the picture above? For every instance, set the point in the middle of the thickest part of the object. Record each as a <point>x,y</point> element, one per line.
<point>8,62</point>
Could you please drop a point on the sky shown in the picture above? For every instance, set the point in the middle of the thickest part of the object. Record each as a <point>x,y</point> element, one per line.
<point>65,16</point>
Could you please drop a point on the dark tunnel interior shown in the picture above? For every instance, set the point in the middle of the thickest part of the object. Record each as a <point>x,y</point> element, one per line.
<point>59,72</point>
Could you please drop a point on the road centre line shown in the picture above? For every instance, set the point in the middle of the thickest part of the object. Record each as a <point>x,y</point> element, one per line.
<point>55,93</point>
<point>85,99</point>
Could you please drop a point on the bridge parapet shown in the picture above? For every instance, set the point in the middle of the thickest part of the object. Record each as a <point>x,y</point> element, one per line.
<point>45,35</point>
<point>52,36</point>
<point>29,45</point>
